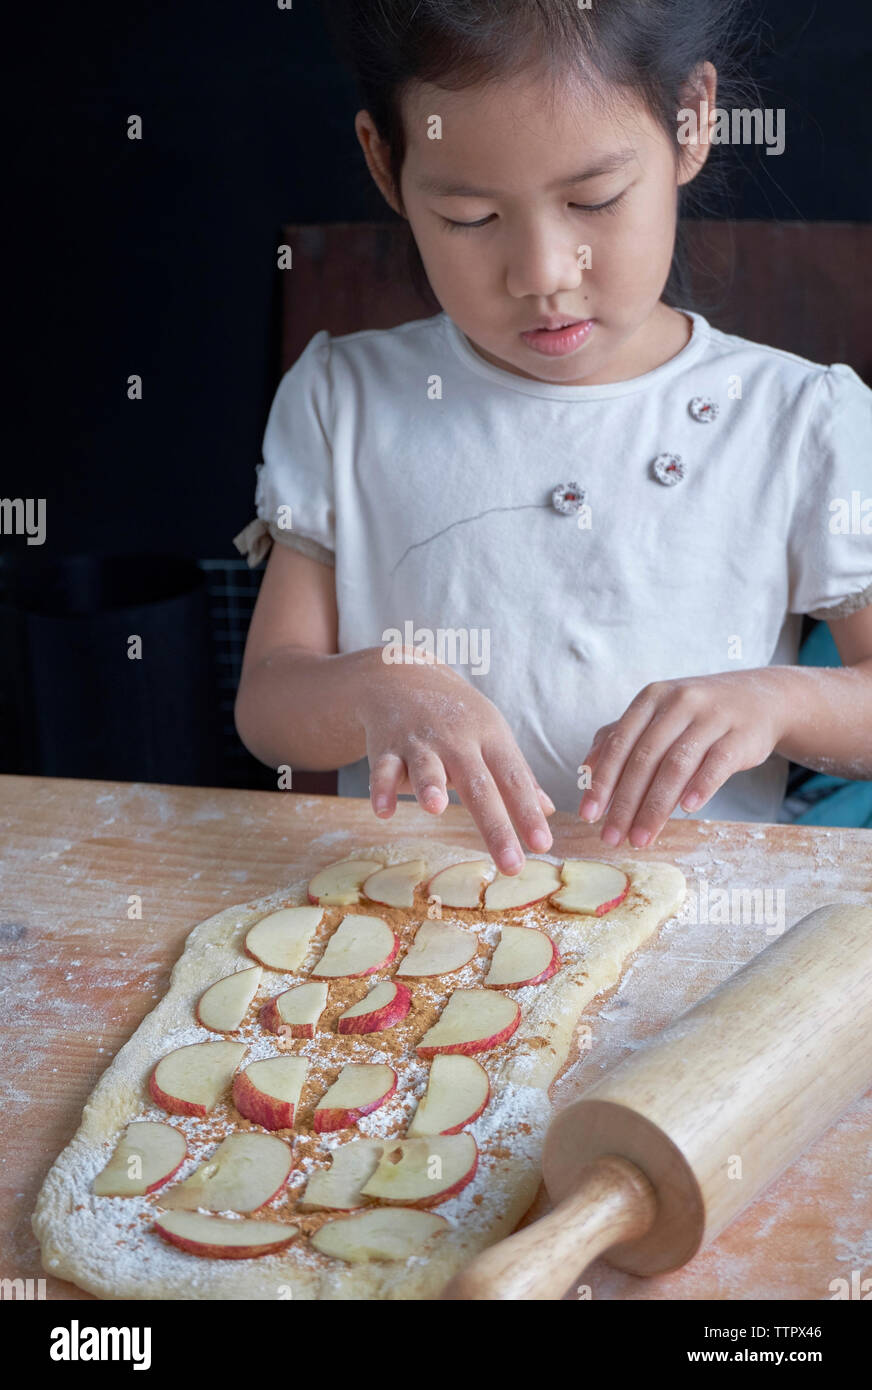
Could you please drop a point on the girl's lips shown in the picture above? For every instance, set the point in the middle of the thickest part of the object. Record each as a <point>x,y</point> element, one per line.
<point>557,342</point>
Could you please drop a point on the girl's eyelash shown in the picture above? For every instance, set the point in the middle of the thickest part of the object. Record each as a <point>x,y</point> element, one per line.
<point>611,206</point>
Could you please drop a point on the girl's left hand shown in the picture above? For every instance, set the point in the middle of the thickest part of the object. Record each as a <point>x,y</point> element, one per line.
<point>678,741</point>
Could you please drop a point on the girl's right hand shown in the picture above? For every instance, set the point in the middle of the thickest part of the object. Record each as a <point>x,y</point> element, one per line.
<point>427,729</point>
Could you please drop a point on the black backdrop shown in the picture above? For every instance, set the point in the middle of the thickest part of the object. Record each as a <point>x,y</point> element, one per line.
<point>157,257</point>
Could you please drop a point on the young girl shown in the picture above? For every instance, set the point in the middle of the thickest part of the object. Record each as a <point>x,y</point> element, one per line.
<point>607,515</point>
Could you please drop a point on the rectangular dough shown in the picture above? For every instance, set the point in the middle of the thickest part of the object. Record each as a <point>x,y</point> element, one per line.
<point>105,1244</point>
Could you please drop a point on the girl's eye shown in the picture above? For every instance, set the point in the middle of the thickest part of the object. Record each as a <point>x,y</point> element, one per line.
<point>611,206</point>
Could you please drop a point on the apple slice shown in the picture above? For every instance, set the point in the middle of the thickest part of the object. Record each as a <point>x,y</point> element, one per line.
<point>338,884</point>
<point>146,1155</point>
<point>378,1235</point>
<point>191,1080</point>
<point>394,886</point>
<point>295,1012</point>
<point>244,1172</point>
<point>358,946</point>
<point>591,887</point>
<point>473,1020</point>
<point>385,1005</point>
<point>337,1188</point>
<point>457,1092</point>
<point>422,1172</point>
<point>460,885</point>
<point>438,949</point>
<point>268,1092</point>
<point>536,881</point>
<point>218,1238</point>
<point>360,1088</point>
<point>525,956</point>
<point>225,1004</point>
<point>281,940</point>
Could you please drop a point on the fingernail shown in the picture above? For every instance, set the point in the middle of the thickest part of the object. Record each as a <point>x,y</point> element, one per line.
<point>691,802</point>
<point>611,836</point>
<point>431,794</point>
<point>589,812</point>
<point>511,860</point>
<point>381,804</point>
<point>639,838</point>
<point>540,839</point>
<point>546,800</point>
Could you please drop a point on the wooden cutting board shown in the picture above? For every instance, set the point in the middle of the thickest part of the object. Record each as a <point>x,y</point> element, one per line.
<point>79,976</point>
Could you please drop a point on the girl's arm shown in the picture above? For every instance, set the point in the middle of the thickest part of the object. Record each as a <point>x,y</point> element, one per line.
<point>679,741</point>
<point>423,727</point>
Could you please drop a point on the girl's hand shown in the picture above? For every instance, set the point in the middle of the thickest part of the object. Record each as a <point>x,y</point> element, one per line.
<point>678,741</point>
<point>427,729</point>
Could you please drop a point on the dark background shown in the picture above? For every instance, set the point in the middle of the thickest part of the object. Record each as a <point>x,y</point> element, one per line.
<point>157,257</point>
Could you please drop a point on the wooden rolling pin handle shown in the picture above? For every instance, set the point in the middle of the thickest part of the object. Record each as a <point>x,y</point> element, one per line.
<point>613,1202</point>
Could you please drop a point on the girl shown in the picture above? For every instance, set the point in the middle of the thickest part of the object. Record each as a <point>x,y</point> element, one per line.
<point>607,515</point>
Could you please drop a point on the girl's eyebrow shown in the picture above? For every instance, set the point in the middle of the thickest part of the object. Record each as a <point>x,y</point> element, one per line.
<point>607,164</point>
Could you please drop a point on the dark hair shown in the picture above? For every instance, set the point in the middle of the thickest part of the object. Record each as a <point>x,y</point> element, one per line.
<point>651,46</point>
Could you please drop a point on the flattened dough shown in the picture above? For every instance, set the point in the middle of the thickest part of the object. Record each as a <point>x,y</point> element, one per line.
<point>106,1244</point>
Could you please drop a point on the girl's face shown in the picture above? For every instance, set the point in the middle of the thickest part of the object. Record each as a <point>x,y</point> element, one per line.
<point>526,209</point>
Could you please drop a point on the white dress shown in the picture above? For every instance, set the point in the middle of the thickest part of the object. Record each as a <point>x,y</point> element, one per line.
<point>426,475</point>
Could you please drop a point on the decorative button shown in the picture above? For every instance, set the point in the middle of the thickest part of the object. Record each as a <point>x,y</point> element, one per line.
<point>567,498</point>
<point>703,409</point>
<point>668,469</point>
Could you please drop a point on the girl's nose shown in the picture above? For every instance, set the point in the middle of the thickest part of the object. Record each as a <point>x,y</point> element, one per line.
<point>543,265</point>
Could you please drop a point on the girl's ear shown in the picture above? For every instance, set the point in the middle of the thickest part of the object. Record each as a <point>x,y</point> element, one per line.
<point>375,152</point>
<point>698,98</point>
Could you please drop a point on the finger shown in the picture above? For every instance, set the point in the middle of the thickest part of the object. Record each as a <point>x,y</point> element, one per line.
<point>723,759</point>
<point>618,742</point>
<point>479,794</point>
<point>680,763</point>
<point>641,767</point>
<point>515,784</point>
<point>386,774</point>
<point>427,778</point>
<point>545,802</point>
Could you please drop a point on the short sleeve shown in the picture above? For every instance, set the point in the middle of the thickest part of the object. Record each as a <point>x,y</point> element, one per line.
<point>294,499</point>
<point>830,542</point>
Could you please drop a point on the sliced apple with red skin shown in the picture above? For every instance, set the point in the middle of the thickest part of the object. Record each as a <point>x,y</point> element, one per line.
<point>219,1238</point>
<point>537,880</point>
<point>461,885</point>
<point>473,1020</point>
<point>524,956</point>
<point>360,1088</point>
<point>281,940</point>
<point>337,1188</point>
<point>268,1091</point>
<point>359,946</point>
<point>422,1172</point>
<point>225,1004</point>
<point>394,886</point>
<point>192,1079</point>
<point>339,884</point>
<point>246,1170</point>
<point>438,949</point>
<point>145,1157</point>
<point>457,1092</point>
<point>380,1234</point>
<point>295,1012</point>
<point>385,1005</point>
<point>590,887</point>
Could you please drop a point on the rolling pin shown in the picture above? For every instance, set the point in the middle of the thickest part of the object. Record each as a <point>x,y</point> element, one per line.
<point>675,1141</point>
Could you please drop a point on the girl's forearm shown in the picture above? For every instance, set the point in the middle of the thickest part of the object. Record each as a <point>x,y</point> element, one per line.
<point>297,707</point>
<point>827,717</point>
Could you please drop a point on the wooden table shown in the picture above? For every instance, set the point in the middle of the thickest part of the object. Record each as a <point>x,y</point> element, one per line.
<point>79,976</point>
